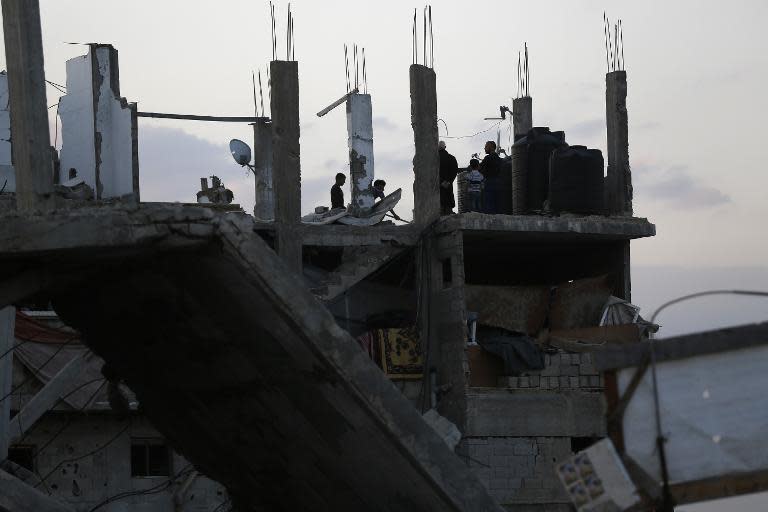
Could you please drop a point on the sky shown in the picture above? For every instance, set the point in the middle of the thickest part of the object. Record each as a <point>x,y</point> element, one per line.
<point>696,108</point>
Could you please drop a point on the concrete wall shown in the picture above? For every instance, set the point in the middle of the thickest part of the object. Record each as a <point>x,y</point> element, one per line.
<point>519,471</point>
<point>7,174</point>
<point>86,481</point>
<point>98,127</point>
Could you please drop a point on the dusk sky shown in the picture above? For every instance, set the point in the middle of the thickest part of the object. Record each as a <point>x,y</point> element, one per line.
<point>696,74</point>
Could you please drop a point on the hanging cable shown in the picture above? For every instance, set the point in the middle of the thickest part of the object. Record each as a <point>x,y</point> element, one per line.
<point>474,134</point>
<point>28,378</point>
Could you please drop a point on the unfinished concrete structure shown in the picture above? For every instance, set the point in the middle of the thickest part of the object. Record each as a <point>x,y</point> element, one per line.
<point>98,127</point>
<point>264,387</point>
<point>360,141</point>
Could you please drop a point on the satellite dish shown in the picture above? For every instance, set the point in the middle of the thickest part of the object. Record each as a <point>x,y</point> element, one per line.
<point>241,152</point>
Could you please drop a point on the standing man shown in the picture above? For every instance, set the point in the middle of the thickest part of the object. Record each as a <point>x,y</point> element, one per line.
<point>449,168</point>
<point>337,194</point>
<point>490,168</point>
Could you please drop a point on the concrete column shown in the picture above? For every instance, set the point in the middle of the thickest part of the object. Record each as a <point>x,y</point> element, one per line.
<point>29,119</point>
<point>619,175</point>
<point>286,160</point>
<point>264,209</point>
<point>522,115</point>
<point>360,139</point>
<point>7,174</point>
<point>426,161</point>
<point>7,340</point>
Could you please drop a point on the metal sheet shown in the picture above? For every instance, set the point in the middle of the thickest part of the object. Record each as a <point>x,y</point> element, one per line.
<point>714,414</point>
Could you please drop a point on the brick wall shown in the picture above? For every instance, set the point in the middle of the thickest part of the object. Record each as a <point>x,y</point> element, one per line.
<point>562,371</point>
<point>519,470</point>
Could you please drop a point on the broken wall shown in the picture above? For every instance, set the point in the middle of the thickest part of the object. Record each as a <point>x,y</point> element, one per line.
<point>89,461</point>
<point>98,127</point>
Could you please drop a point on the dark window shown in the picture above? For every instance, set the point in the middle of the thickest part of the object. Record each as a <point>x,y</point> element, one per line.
<point>579,444</point>
<point>447,273</point>
<point>24,456</point>
<point>150,457</point>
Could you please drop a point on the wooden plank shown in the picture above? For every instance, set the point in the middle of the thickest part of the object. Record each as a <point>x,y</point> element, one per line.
<point>29,112</point>
<point>720,487</point>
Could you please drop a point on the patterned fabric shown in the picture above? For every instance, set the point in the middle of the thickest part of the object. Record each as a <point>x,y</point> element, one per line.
<point>396,351</point>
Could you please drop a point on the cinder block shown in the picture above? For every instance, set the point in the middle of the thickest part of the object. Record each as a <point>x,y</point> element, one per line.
<point>564,382</point>
<point>499,461</point>
<point>586,358</point>
<point>574,382</point>
<point>533,483</point>
<point>515,483</point>
<point>554,383</point>
<point>524,448</point>
<point>504,450</point>
<point>523,382</point>
<point>565,359</point>
<point>584,381</point>
<point>588,369</point>
<point>544,383</point>
<point>535,380</point>
<point>499,483</point>
<point>571,370</point>
<point>552,370</point>
<point>575,359</point>
<point>595,382</point>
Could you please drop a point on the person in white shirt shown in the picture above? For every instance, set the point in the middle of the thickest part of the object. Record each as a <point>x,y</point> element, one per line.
<point>474,186</point>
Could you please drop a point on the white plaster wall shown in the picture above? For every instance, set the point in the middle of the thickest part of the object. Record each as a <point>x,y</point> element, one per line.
<point>77,127</point>
<point>7,174</point>
<point>112,151</point>
<point>107,472</point>
<point>360,140</point>
<point>113,122</point>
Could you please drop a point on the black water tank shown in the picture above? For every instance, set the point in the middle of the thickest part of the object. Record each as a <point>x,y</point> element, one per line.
<point>576,180</point>
<point>540,142</point>
<point>505,199</point>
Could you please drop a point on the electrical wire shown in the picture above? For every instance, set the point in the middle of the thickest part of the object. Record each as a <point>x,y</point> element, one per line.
<point>474,134</point>
<point>92,452</point>
<point>12,391</point>
<point>69,421</point>
<point>152,490</point>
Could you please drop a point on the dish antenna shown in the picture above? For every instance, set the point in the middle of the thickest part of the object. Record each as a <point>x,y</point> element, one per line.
<point>241,152</point>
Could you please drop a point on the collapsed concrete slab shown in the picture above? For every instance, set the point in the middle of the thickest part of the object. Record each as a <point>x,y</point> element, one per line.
<point>238,365</point>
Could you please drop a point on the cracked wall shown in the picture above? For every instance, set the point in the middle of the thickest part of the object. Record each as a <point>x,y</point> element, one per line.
<point>7,174</point>
<point>98,126</point>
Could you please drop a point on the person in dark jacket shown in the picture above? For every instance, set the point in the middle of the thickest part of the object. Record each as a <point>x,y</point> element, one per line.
<point>449,168</point>
<point>490,168</point>
<point>337,195</point>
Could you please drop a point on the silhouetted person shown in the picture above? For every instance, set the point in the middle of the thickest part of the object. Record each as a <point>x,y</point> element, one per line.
<point>378,189</point>
<point>337,195</point>
<point>449,168</point>
<point>490,168</point>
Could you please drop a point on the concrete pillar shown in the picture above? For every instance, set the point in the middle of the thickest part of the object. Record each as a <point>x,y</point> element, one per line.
<point>286,160</point>
<point>360,139</point>
<point>7,340</point>
<point>29,121</point>
<point>522,115</point>
<point>98,127</point>
<point>7,173</point>
<point>619,175</point>
<point>426,161</point>
<point>264,208</point>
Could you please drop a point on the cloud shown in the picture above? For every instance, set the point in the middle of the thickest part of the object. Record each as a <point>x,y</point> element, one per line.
<point>172,161</point>
<point>675,186</point>
<point>384,123</point>
<point>586,129</point>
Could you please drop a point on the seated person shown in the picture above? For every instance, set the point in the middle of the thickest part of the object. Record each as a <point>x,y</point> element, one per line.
<point>378,189</point>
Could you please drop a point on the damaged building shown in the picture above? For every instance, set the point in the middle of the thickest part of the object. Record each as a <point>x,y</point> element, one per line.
<point>187,357</point>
